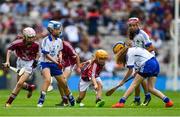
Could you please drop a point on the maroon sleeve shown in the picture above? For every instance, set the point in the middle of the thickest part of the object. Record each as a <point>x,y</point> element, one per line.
<point>12,46</point>
<point>69,49</point>
<point>92,71</point>
<point>37,47</point>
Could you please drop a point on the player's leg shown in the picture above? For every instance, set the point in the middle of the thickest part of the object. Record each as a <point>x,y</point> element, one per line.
<point>47,79</point>
<point>138,79</point>
<point>81,96</point>
<point>64,102</point>
<point>50,87</point>
<point>62,82</point>
<point>153,90</point>
<point>83,85</point>
<point>146,92</point>
<point>28,87</point>
<point>99,101</point>
<point>137,99</point>
<point>28,67</point>
<point>25,85</point>
<point>17,88</point>
<point>64,98</point>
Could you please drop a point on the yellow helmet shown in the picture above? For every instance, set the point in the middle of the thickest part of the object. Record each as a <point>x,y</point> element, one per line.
<point>118,46</point>
<point>101,54</point>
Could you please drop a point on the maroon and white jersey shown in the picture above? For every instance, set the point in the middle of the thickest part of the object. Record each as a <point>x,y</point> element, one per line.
<point>68,54</point>
<point>23,51</point>
<point>91,69</point>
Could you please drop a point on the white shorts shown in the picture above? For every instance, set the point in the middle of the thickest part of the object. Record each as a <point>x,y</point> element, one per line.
<point>27,65</point>
<point>69,68</point>
<point>83,85</point>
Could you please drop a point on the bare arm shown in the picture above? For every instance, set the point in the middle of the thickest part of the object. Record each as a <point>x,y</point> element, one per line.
<point>77,61</point>
<point>8,55</point>
<point>150,48</point>
<point>48,56</point>
<point>83,63</point>
<point>60,57</point>
<point>128,74</point>
<point>94,82</point>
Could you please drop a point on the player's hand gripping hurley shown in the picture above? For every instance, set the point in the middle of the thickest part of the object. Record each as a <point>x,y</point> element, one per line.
<point>20,72</point>
<point>111,91</point>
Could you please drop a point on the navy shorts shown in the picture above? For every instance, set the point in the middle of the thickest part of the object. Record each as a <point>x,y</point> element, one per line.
<point>55,71</point>
<point>150,68</point>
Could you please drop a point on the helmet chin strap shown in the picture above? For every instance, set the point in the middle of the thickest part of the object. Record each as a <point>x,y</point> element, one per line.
<point>26,41</point>
<point>55,35</point>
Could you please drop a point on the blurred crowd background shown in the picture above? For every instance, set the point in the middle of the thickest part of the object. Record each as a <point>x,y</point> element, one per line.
<point>91,24</point>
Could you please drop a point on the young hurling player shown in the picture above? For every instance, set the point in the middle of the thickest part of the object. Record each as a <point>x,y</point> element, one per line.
<point>50,64</point>
<point>141,39</point>
<point>147,68</point>
<point>90,77</point>
<point>26,51</point>
<point>70,60</point>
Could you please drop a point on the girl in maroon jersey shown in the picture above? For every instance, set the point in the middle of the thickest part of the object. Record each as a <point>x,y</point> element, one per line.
<point>26,50</point>
<point>90,77</point>
<point>70,61</point>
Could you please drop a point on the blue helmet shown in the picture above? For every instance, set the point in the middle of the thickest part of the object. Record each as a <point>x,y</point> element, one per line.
<point>54,25</point>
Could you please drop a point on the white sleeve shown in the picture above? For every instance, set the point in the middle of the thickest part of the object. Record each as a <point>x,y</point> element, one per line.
<point>130,60</point>
<point>45,47</point>
<point>146,39</point>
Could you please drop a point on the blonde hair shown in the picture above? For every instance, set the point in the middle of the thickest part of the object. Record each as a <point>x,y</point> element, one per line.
<point>121,56</point>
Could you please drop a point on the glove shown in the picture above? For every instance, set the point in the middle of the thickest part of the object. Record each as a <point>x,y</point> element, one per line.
<point>34,65</point>
<point>60,66</point>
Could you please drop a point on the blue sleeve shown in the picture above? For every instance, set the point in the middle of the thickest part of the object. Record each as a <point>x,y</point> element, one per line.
<point>130,66</point>
<point>44,52</point>
<point>148,44</point>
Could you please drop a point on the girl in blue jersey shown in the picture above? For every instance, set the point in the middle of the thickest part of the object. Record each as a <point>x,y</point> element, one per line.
<point>49,62</point>
<point>147,67</point>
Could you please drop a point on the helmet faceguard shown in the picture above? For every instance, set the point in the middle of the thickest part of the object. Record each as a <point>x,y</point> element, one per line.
<point>29,33</point>
<point>55,25</point>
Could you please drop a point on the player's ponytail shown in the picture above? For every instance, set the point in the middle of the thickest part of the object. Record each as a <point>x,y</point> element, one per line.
<point>121,56</point>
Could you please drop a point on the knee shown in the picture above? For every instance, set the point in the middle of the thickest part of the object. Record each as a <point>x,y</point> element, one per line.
<point>150,89</point>
<point>134,85</point>
<point>100,87</point>
<point>47,80</point>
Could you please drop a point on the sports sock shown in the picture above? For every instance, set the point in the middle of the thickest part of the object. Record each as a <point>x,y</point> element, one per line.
<point>137,98</point>
<point>78,100</point>
<point>65,99</point>
<point>42,97</point>
<point>147,95</point>
<point>11,98</point>
<point>71,99</point>
<point>122,100</point>
<point>97,100</point>
<point>166,99</point>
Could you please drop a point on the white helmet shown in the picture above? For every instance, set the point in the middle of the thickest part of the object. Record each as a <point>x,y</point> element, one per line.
<point>29,32</point>
<point>54,25</point>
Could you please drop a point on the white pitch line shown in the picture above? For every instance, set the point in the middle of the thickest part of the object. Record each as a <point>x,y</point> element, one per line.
<point>74,108</point>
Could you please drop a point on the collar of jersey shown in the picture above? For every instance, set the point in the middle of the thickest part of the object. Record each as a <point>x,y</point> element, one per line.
<point>50,38</point>
<point>137,31</point>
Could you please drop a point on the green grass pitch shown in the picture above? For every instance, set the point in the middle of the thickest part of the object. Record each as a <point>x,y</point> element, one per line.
<point>27,107</point>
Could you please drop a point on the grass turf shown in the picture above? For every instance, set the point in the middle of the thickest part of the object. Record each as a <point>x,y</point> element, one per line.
<point>27,107</point>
